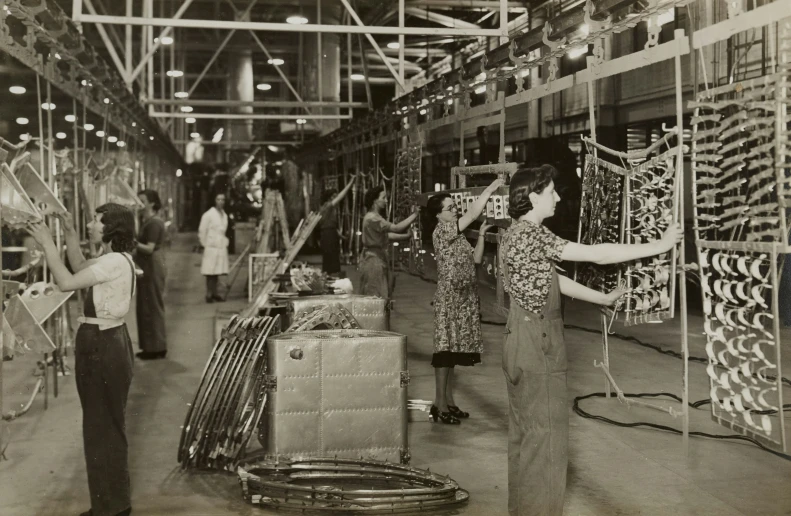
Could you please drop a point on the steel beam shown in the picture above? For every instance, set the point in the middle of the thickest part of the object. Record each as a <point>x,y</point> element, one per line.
<point>278,70</point>
<point>109,45</point>
<point>256,103</point>
<point>247,116</point>
<point>492,5</point>
<point>373,42</point>
<point>76,11</point>
<point>168,28</point>
<point>504,22</point>
<point>221,47</point>
<point>441,19</point>
<point>284,27</point>
<point>401,44</point>
<point>232,144</point>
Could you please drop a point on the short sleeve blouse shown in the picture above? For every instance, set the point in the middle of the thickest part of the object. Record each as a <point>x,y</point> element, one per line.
<point>531,250</point>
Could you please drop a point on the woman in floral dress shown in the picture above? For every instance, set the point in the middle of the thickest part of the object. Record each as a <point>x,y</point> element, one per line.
<point>457,307</point>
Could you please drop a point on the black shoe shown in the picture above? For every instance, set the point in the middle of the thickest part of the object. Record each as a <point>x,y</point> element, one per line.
<point>446,417</point>
<point>209,299</point>
<point>217,298</point>
<point>151,355</point>
<point>457,412</point>
<point>125,512</point>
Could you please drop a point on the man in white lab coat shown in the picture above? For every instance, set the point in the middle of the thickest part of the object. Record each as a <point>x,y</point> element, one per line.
<point>213,225</point>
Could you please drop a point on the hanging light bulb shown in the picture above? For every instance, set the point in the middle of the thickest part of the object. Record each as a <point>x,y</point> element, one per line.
<point>88,127</point>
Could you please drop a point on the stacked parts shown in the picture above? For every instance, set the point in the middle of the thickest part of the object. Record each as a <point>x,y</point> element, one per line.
<point>358,486</point>
<point>229,401</point>
<point>324,317</point>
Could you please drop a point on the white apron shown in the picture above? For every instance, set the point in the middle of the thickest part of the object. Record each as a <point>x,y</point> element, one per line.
<point>211,233</point>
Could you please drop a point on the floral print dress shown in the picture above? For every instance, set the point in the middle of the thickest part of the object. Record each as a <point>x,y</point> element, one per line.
<point>457,307</point>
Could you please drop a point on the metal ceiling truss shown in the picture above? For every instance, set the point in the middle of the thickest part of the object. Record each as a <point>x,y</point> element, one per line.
<point>25,30</point>
<point>502,63</point>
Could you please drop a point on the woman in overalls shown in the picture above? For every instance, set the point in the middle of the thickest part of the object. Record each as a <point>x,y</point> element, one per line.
<point>534,352</point>
<point>150,257</point>
<point>103,350</point>
<point>377,235</point>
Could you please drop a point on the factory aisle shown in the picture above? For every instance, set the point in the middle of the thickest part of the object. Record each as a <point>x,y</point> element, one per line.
<point>613,470</point>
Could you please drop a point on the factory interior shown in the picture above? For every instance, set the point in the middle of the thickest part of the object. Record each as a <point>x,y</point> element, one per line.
<point>474,257</point>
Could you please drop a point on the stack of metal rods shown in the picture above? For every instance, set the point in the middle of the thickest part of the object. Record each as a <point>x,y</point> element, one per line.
<point>230,398</point>
<point>355,485</point>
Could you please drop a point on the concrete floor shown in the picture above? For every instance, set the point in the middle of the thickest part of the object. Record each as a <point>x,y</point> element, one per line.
<point>612,471</point>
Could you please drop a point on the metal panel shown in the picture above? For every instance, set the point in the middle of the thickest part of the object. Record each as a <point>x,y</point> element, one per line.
<point>336,393</point>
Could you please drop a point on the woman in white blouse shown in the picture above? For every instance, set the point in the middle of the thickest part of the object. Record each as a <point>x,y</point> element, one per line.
<point>103,350</point>
<point>211,232</point>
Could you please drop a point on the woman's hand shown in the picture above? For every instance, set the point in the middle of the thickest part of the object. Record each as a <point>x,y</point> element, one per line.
<point>497,183</point>
<point>484,228</point>
<point>66,222</point>
<point>40,233</point>
<point>672,236</point>
<point>613,297</point>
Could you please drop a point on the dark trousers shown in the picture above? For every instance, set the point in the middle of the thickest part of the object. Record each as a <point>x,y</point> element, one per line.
<point>534,363</point>
<point>103,366</point>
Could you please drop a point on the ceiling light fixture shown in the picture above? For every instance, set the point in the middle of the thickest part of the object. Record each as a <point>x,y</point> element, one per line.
<point>181,94</point>
<point>178,172</point>
<point>297,20</point>
<point>22,120</point>
<point>167,40</point>
<point>88,127</point>
<point>218,135</point>
<point>48,107</point>
<point>186,109</point>
<point>112,139</point>
<point>150,137</point>
<point>264,86</point>
<point>194,135</point>
<point>60,136</point>
<point>71,118</point>
<point>17,90</point>
<point>395,45</point>
<point>301,121</point>
<point>106,100</point>
<point>100,133</point>
<point>121,144</point>
<point>174,73</point>
<point>358,77</point>
<point>190,120</point>
<point>276,61</point>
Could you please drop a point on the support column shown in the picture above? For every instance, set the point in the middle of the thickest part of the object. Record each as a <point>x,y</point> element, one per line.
<point>535,123</point>
<point>240,87</point>
<point>330,66</point>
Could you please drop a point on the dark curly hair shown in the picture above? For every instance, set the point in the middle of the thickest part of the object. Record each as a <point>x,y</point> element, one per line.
<point>372,195</point>
<point>153,197</point>
<point>524,182</point>
<point>119,227</point>
<point>434,204</point>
